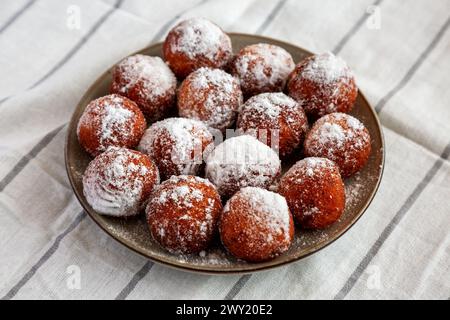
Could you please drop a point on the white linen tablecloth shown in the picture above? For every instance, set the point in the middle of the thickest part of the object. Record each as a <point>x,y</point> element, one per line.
<point>52,50</point>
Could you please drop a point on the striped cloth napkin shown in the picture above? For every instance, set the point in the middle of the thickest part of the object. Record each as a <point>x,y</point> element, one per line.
<point>51,51</point>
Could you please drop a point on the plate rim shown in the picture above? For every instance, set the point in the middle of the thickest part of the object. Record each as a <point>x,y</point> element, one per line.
<point>199,269</point>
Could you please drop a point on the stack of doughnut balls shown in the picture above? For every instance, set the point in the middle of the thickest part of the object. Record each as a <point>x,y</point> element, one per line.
<point>155,147</point>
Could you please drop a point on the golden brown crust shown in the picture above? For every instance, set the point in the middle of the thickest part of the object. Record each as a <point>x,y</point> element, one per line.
<point>177,145</point>
<point>261,68</point>
<point>342,139</point>
<point>183,213</point>
<point>276,119</point>
<point>314,191</point>
<point>320,89</point>
<point>256,225</point>
<point>196,43</point>
<point>111,120</point>
<point>149,82</point>
<point>212,96</point>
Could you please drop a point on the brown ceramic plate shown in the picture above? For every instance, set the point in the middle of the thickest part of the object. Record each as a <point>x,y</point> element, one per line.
<point>134,234</point>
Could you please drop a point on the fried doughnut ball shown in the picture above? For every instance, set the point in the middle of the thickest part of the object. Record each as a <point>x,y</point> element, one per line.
<point>196,43</point>
<point>119,181</point>
<point>275,119</point>
<point>110,121</point>
<point>262,68</point>
<point>242,161</point>
<point>149,82</point>
<point>342,139</point>
<point>183,213</point>
<point>314,191</point>
<point>323,84</point>
<point>256,225</point>
<point>212,96</point>
<point>177,145</point>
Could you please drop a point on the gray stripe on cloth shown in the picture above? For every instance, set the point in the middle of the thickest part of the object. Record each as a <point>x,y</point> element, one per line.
<point>36,149</point>
<point>25,160</point>
<point>138,276</point>
<point>44,258</point>
<point>353,30</point>
<point>4,99</point>
<point>74,50</point>
<point>117,5</point>
<point>409,202</point>
<point>237,287</point>
<point>357,273</point>
<point>10,22</point>
<point>22,163</point>
<point>79,45</point>
<point>271,16</point>
<point>17,15</point>
<point>380,105</point>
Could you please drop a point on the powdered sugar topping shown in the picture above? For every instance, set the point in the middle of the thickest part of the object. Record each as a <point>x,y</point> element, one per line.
<point>309,167</point>
<point>182,141</point>
<point>242,161</point>
<point>152,73</point>
<point>114,121</point>
<point>183,192</point>
<point>193,179</point>
<point>204,78</point>
<point>198,37</point>
<point>331,132</point>
<point>217,92</point>
<point>268,208</point>
<point>114,181</point>
<point>337,131</point>
<point>265,64</point>
<point>194,218</point>
<point>268,104</point>
<point>326,68</point>
<point>341,138</point>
